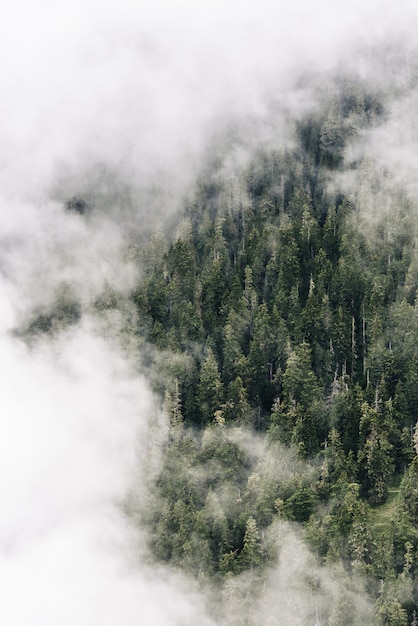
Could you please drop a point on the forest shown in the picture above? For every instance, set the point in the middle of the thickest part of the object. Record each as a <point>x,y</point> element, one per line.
<point>209,313</point>
<point>277,314</point>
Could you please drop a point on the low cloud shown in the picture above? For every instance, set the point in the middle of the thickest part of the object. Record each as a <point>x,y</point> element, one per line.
<point>75,434</point>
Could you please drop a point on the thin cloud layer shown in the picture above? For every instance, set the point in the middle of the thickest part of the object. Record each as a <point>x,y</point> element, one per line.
<point>142,86</point>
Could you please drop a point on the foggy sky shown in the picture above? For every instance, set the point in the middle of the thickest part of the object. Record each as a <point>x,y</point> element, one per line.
<point>140,89</point>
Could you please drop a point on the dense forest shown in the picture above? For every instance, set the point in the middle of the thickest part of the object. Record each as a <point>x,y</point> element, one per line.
<point>276,317</point>
<point>281,328</point>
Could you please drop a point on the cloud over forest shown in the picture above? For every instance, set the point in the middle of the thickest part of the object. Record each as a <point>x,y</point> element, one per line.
<point>137,91</point>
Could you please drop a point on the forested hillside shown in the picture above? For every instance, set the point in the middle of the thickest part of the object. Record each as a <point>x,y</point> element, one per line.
<point>282,333</point>
<point>209,313</point>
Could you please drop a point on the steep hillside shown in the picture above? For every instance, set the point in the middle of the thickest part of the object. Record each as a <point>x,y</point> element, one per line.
<point>282,317</point>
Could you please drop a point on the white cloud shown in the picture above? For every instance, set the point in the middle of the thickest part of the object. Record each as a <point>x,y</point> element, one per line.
<point>75,424</point>
<point>141,83</point>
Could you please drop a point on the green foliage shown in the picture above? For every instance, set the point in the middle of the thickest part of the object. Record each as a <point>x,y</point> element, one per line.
<point>209,389</point>
<point>251,554</point>
<point>409,491</point>
<point>281,309</point>
<point>391,613</point>
<point>300,505</point>
<point>299,418</point>
<point>375,455</point>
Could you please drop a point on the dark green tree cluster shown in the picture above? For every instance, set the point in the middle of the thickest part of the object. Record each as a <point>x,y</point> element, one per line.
<point>215,497</point>
<point>298,322</point>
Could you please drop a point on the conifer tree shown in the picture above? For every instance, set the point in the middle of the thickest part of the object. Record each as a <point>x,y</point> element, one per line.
<point>251,554</point>
<point>209,390</point>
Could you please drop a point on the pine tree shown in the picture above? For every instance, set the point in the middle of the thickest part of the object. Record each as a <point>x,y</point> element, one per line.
<point>299,418</point>
<point>375,456</point>
<point>209,390</point>
<point>391,613</point>
<point>251,554</point>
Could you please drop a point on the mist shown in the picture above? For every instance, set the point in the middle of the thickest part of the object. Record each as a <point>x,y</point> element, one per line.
<point>116,107</point>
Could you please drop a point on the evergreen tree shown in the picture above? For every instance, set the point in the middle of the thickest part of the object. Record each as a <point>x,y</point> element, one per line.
<point>251,554</point>
<point>209,389</point>
<point>391,613</point>
<point>299,419</point>
<point>375,456</point>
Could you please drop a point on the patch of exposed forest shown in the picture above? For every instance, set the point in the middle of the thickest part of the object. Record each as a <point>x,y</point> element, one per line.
<point>278,310</point>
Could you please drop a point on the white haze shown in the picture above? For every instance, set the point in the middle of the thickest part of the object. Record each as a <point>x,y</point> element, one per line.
<point>139,88</point>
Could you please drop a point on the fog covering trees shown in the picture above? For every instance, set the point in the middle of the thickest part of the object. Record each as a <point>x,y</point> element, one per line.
<point>208,323</point>
<point>300,326</point>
